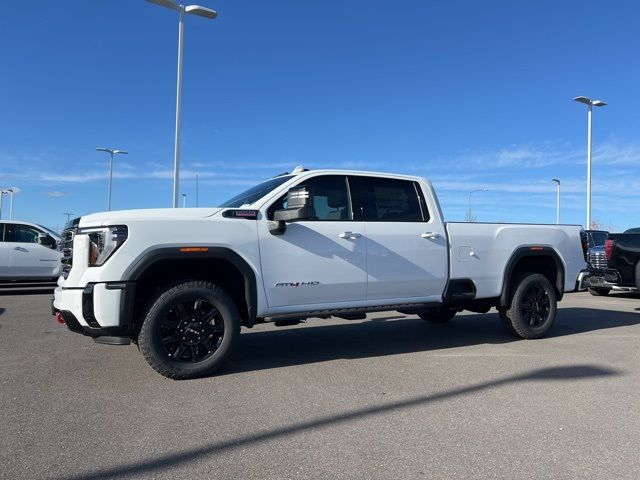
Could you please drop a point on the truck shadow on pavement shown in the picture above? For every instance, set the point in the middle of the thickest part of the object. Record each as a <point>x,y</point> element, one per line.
<point>287,346</point>
<point>160,464</point>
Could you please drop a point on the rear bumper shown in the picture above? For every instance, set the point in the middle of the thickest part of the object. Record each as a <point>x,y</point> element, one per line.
<point>98,310</point>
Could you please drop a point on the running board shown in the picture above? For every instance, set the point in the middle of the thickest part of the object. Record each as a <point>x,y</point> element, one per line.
<point>346,312</point>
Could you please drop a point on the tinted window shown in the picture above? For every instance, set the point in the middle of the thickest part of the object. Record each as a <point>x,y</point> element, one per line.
<point>330,198</point>
<point>387,200</point>
<point>15,232</point>
<point>255,193</point>
<point>633,230</point>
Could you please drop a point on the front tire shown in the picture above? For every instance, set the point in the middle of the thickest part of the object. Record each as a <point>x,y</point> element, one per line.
<point>190,329</point>
<point>533,306</point>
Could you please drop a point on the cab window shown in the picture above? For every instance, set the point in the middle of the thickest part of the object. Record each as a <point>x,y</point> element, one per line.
<point>15,232</point>
<point>330,198</point>
<point>377,199</point>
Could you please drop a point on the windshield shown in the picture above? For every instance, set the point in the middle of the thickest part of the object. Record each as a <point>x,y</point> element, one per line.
<point>598,238</point>
<point>255,193</point>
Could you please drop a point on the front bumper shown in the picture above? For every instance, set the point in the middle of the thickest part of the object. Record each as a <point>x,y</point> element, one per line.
<point>581,282</point>
<point>607,279</point>
<point>98,310</point>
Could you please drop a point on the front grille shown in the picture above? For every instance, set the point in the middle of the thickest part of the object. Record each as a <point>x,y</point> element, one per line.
<point>597,260</point>
<point>66,246</point>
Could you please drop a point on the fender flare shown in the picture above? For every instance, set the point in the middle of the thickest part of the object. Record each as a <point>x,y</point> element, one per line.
<point>525,252</point>
<point>149,258</point>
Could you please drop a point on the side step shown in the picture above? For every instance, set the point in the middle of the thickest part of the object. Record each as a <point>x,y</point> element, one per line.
<point>356,313</point>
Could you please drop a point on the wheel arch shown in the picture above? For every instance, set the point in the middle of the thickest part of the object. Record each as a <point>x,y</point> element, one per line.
<point>221,265</point>
<point>544,260</point>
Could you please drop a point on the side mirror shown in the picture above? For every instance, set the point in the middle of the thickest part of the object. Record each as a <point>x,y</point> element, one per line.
<point>47,240</point>
<point>299,207</point>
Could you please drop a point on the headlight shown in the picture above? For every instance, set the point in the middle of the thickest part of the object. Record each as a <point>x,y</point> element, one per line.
<point>103,242</point>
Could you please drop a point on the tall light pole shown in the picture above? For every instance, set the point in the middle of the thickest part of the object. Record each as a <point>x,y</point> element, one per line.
<point>111,152</point>
<point>197,192</point>
<point>590,103</point>
<point>68,214</point>
<point>2,194</point>
<point>201,12</point>
<point>469,217</point>
<point>10,191</point>
<point>557,182</point>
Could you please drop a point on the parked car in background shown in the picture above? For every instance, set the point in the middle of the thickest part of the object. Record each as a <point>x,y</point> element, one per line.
<point>595,255</point>
<point>620,270</point>
<point>28,251</point>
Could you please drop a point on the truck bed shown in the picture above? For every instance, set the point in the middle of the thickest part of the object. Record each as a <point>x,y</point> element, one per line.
<point>481,251</point>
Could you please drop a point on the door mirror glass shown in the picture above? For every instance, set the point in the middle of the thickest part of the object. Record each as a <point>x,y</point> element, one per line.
<point>299,206</point>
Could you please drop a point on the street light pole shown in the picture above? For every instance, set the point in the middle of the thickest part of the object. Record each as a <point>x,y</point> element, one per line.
<point>2,194</point>
<point>201,12</point>
<point>469,207</point>
<point>10,190</point>
<point>590,103</point>
<point>557,182</point>
<point>111,152</point>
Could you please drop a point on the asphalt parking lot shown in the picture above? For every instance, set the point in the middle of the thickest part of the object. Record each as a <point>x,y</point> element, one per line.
<point>391,397</point>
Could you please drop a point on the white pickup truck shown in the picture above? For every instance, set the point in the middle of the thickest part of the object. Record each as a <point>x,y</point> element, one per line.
<point>181,282</point>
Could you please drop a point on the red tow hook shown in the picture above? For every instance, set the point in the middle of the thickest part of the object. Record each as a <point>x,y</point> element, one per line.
<point>59,318</point>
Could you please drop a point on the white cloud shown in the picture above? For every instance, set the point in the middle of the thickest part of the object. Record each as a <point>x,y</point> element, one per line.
<point>56,194</point>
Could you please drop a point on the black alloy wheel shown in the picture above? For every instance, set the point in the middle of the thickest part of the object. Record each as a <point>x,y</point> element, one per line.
<point>190,329</point>
<point>536,305</point>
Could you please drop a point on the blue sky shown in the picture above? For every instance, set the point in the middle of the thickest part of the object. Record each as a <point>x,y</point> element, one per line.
<point>469,94</point>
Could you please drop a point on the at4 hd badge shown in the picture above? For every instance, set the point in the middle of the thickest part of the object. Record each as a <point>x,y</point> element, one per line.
<point>297,284</point>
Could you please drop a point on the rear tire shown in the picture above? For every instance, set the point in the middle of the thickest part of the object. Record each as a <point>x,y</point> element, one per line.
<point>190,329</point>
<point>533,306</point>
<point>599,292</point>
<point>437,314</point>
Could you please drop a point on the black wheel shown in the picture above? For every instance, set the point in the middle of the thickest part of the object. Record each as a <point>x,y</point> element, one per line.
<point>437,314</point>
<point>599,292</point>
<point>189,330</point>
<point>533,306</point>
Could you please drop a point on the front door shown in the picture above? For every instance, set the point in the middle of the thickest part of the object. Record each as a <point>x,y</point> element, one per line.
<point>27,258</point>
<point>316,263</point>
<point>406,248</point>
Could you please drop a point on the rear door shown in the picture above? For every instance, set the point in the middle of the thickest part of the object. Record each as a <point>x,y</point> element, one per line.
<point>406,246</point>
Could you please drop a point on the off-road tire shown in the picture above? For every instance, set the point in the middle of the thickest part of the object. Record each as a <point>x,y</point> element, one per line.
<point>598,292</point>
<point>533,306</point>
<point>166,298</point>
<point>437,314</point>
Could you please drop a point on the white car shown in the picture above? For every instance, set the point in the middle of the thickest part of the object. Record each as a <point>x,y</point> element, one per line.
<point>28,252</point>
<point>181,282</point>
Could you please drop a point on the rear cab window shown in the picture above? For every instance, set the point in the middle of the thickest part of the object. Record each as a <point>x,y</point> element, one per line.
<point>378,199</point>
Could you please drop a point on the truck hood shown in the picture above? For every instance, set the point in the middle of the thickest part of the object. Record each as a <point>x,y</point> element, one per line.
<point>151,214</point>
